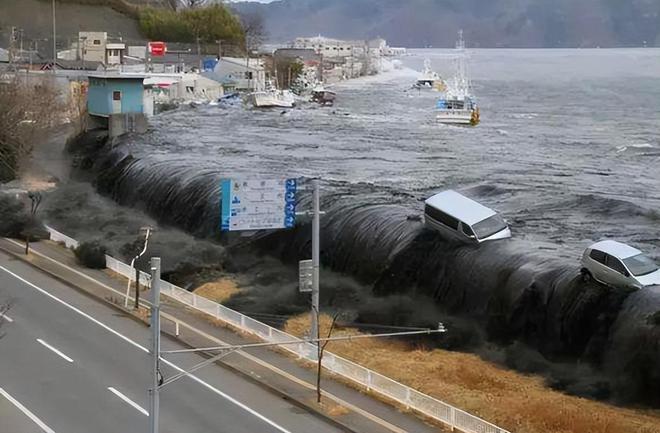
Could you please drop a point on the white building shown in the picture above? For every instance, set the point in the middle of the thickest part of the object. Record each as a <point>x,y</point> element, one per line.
<point>91,46</point>
<point>248,75</point>
<point>329,47</point>
<point>114,53</point>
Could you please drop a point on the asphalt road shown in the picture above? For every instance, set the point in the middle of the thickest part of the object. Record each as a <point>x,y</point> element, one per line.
<point>70,364</point>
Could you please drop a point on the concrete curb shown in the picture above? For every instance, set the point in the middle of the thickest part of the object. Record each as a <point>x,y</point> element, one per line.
<point>130,314</point>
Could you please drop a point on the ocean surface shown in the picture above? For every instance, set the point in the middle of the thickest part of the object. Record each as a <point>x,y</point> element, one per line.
<point>568,148</point>
<point>568,151</point>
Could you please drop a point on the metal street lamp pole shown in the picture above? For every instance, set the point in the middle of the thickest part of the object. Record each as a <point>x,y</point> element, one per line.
<point>154,400</point>
<point>54,39</point>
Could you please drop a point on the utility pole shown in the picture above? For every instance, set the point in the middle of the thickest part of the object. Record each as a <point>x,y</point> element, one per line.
<point>219,42</point>
<point>54,39</point>
<point>82,51</point>
<point>199,54</point>
<point>316,256</point>
<point>154,401</point>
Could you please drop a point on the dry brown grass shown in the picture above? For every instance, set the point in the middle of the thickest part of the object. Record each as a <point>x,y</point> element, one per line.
<point>219,291</point>
<point>520,403</point>
<point>334,410</point>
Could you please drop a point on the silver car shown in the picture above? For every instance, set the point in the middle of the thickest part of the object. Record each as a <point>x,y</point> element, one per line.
<point>619,265</point>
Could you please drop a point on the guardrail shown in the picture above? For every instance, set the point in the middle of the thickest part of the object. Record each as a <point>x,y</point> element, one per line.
<point>410,398</point>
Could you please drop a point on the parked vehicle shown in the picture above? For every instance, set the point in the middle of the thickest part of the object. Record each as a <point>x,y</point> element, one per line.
<point>458,217</point>
<point>619,265</point>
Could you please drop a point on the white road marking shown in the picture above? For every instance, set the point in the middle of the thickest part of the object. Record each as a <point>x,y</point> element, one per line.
<point>129,401</point>
<point>42,342</point>
<point>25,410</point>
<point>246,355</point>
<point>144,349</point>
<point>7,318</point>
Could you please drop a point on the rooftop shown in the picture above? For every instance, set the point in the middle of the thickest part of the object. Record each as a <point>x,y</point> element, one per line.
<point>460,207</point>
<point>616,249</point>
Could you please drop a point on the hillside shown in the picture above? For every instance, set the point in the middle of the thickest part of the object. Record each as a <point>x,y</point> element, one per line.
<point>487,23</point>
<point>35,17</point>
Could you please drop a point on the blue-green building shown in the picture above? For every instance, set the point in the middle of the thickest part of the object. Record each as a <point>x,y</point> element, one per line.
<point>115,94</point>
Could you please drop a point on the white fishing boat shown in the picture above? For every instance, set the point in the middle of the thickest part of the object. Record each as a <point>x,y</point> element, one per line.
<point>457,105</point>
<point>272,97</point>
<point>429,79</point>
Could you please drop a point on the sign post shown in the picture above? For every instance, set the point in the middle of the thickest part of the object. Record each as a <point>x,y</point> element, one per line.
<point>258,204</point>
<point>316,258</point>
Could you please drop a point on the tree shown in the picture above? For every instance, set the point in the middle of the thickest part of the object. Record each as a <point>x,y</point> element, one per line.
<point>254,35</point>
<point>201,24</point>
<point>320,352</point>
<point>27,109</point>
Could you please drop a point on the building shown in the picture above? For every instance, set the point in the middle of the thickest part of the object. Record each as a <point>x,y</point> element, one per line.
<point>247,75</point>
<point>95,47</point>
<point>114,53</point>
<point>329,47</point>
<point>115,94</point>
<point>92,46</point>
<point>182,87</point>
<point>68,65</point>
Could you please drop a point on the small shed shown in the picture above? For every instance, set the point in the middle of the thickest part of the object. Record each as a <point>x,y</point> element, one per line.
<point>115,94</point>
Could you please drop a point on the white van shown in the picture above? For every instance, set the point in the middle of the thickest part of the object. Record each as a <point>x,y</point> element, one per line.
<point>461,218</point>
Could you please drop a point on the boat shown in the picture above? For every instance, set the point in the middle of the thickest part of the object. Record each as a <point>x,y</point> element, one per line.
<point>457,105</point>
<point>229,96</point>
<point>271,96</point>
<point>323,96</point>
<point>429,79</point>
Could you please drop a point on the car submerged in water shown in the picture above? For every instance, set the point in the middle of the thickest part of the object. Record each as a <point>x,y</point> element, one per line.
<point>619,265</point>
<point>460,218</point>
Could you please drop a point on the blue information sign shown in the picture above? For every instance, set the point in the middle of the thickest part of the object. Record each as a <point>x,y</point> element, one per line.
<point>253,204</point>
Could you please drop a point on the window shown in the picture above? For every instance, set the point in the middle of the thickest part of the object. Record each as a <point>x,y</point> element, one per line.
<point>97,42</point>
<point>489,226</point>
<point>441,217</point>
<point>116,95</point>
<point>248,75</point>
<point>614,263</point>
<point>640,265</point>
<point>598,256</point>
<point>467,230</point>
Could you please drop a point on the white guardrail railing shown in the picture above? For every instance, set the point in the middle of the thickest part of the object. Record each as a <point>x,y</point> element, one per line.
<point>372,381</point>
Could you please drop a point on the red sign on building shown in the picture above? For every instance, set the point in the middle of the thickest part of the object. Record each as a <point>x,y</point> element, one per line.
<point>157,48</point>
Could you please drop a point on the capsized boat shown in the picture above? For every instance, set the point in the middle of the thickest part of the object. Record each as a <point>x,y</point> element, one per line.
<point>272,97</point>
<point>457,105</point>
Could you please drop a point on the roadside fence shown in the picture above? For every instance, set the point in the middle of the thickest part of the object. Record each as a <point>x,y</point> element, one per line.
<point>375,382</point>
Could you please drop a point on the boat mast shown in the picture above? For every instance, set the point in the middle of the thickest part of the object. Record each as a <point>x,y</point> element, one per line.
<point>461,81</point>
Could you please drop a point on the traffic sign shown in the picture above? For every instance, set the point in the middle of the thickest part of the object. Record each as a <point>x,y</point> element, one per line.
<point>305,276</point>
<point>157,49</point>
<point>258,204</point>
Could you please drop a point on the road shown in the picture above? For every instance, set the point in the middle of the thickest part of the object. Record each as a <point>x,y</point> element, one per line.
<point>70,364</point>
